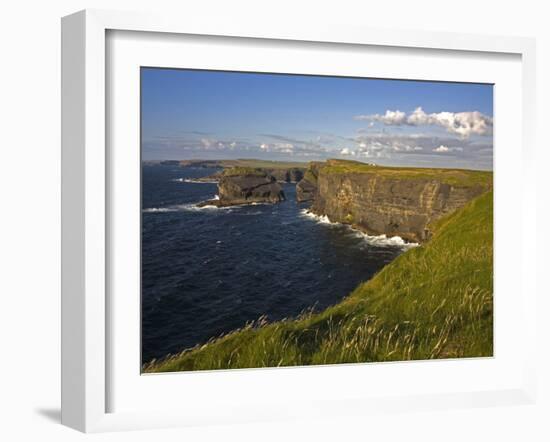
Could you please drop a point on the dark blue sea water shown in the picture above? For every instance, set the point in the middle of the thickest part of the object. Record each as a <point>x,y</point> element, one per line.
<point>209,271</point>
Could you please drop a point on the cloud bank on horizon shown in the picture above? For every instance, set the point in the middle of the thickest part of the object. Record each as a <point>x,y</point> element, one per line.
<point>209,114</point>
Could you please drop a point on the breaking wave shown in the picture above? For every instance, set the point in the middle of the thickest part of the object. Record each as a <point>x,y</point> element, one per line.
<point>191,207</point>
<point>375,240</point>
<point>195,181</point>
<point>159,210</point>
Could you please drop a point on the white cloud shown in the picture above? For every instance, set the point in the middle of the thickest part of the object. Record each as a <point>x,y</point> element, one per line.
<point>390,118</point>
<point>284,147</point>
<point>277,147</point>
<point>388,145</point>
<point>403,147</point>
<point>463,124</point>
<point>347,151</point>
<point>442,149</point>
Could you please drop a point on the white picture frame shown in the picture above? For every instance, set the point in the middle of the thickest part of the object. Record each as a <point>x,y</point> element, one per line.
<point>85,211</point>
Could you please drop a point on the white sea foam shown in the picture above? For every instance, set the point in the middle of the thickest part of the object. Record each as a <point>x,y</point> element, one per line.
<point>321,219</point>
<point>383,240</point>
<point>190,207</point>
<point>159,210</point>
<point>375,240</point>
<point>177,208</point>
<point>195,181</point>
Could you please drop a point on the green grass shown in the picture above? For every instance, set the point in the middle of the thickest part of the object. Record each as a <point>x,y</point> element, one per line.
<point>256,167</point>
<point>267,164</point>
<point>456,177</point>
<point>239,171</point>
<point>433,301</point>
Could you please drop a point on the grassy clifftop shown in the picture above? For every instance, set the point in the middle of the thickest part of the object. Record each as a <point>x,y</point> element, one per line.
<point>243,171</point>
<point>434,301</point>
<point>460,177</point>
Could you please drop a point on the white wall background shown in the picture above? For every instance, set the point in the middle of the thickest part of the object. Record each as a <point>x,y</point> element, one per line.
<point>30,214</point>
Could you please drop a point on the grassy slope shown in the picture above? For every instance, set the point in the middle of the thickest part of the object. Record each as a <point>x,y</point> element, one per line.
<point>457,177</point>
<point>434,301</point>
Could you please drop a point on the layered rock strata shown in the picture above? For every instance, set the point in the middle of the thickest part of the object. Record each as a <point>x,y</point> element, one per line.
<point>240,185</point>
<point>391,201</point>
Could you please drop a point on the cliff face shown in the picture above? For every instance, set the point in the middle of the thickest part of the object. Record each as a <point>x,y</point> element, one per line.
<point>391,201</point>
<point>290,175</point>
<point>247,189</point>
<point>306,188</point>
<point>244,186</point>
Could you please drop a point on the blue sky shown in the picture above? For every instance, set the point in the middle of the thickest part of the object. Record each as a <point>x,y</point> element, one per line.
<point>212,114</point>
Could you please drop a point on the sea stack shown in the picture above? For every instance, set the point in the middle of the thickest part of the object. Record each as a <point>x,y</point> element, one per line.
<point>245,185</point>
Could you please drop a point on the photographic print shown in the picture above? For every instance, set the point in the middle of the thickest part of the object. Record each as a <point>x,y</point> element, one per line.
<point>295,220</point>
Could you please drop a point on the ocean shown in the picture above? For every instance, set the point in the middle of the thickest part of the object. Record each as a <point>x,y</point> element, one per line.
<point>208,271</point>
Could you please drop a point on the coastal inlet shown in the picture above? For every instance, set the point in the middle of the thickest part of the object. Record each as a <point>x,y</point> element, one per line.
<point>209,270</point>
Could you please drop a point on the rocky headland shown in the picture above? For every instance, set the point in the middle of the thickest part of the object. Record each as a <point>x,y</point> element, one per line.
<point>388,200</point>
<point>243,185</point>
<point>378,200</point>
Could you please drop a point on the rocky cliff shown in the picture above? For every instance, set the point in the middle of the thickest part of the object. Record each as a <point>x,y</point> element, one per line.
<point>241,185</point>
<point>306,188</point>
<point>386,200</point>
<point>286,175</point>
